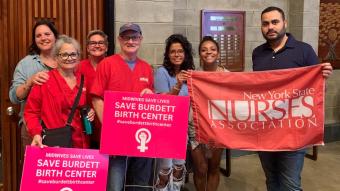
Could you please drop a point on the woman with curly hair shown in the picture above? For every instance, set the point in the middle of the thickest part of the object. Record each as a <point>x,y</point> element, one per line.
<point>171,79</point>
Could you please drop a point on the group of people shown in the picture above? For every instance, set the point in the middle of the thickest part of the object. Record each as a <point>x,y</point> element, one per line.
<point>46,83</point>
<point>50,77</point>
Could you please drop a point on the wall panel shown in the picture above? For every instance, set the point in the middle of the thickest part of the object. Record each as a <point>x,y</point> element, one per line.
<point>72,17</point>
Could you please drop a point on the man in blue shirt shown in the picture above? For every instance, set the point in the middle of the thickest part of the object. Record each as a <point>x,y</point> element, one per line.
<point>281,51</point>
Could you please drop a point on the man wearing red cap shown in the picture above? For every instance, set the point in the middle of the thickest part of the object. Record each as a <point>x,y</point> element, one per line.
<point>124,72</point>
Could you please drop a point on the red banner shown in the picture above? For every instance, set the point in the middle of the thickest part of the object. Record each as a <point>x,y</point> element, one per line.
<point>265,111</point>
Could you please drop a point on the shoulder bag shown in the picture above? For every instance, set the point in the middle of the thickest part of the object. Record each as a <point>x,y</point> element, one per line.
<point>62,136</point>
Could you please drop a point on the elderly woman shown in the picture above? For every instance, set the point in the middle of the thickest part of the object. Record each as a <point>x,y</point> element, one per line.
<point>96,48</point>
<point>171,79</point>
<point>206,158</point>
<point>52,101</point>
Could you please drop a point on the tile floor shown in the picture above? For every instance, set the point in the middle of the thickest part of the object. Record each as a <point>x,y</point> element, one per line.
<point>247,174</point>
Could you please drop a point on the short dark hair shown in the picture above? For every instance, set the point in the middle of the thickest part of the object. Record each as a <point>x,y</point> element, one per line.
<point>269,9</point>
<point>188,63</point>
<point>205,39</point>
<point>33,49</point>
<point>96,32</point>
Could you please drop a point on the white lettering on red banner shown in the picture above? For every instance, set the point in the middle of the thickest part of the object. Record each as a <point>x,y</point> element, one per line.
<point>254,114</point>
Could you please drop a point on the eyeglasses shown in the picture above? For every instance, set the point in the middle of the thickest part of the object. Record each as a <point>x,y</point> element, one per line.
<point>174,52</point>
<point>65,56</point>
<point>133,38</point>
<point>96,43</point>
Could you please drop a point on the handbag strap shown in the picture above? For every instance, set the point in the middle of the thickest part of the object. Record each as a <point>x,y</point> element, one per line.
<point>74,106</point>
<point>76,101</point>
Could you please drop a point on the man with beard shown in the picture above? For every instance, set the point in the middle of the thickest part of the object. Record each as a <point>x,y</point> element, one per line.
<point>282,51</point>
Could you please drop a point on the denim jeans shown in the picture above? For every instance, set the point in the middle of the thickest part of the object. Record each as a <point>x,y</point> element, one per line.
<point>283,169</point>
<point>168,163</point>
<point>137,171</point>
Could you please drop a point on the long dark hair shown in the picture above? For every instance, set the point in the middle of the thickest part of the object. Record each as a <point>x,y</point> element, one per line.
<point>188,63</point>
<point>33,49</point>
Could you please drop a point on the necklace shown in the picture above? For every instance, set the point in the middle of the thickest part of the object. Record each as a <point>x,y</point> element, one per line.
<point>49,63</point>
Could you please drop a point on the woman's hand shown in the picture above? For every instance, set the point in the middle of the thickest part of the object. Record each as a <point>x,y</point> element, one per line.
<point>37,141</point>
<point>327,69</point>
<point>146,91</point>
<point>182,77</point>
<point>90,115</point>
<point>38,78</point>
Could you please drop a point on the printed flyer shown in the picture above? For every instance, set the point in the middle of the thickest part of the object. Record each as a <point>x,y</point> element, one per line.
<point>153,125</point>
<point>63,169</point>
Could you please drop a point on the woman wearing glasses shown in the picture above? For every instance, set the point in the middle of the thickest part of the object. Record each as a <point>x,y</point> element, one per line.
<point>52,101</point>
<point>96,48</point>
<point>171,79</point>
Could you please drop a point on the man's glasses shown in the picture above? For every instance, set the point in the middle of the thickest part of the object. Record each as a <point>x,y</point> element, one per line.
<point>96,43</point>
<point>65,56</point>
<point>133,38</point>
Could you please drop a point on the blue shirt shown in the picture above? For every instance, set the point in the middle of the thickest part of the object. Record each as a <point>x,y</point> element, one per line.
<point>26,67</point>
<point>294,54</point>
<point>163,82</point>
<point>131,64</point>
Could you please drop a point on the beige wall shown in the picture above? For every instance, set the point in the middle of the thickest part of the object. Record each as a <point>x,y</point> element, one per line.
<point>156,20</point>
<point>161,18</point>
<point>187,19</point>
<point>303,22</point>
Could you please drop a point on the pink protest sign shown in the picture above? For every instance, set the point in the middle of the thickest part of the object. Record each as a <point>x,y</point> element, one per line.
<point>63,169</point>
<point>150,126</point>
